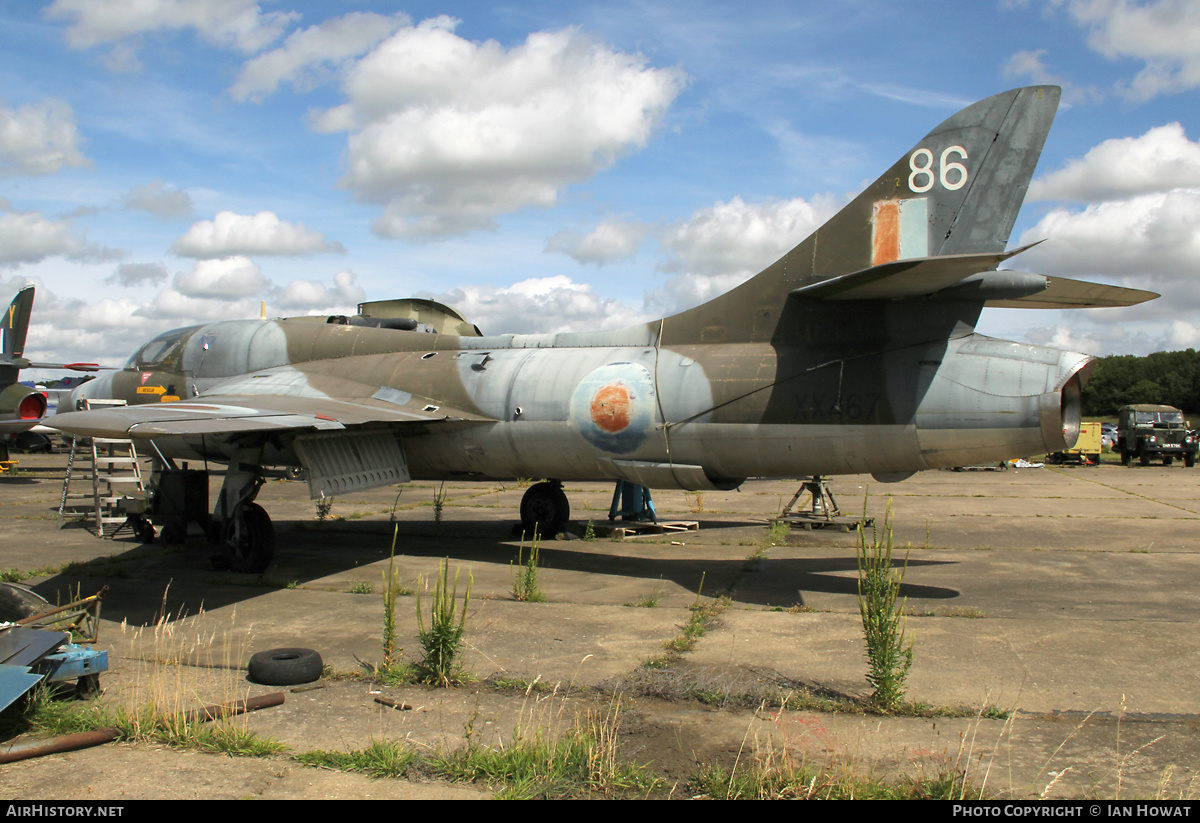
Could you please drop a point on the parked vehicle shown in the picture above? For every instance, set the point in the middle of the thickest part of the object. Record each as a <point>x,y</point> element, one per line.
<point>1150,432</point>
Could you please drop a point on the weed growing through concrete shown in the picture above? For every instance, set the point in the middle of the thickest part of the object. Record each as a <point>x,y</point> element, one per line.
<point>777,533</point>
<point>361,587</point>
<point>439,503</point>
<point>525,588</point>
<point>889,656</point>
<point>442,636</point>
<point>541,764</point>
<point>391,649</point>
<point>145,723</point>
<point>650,601</point>
<point>324,507</point>
<point>589,531</point>
<point>382,758</point>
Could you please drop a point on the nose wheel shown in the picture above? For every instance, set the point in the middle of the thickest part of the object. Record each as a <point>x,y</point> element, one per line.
<point>544,509</point>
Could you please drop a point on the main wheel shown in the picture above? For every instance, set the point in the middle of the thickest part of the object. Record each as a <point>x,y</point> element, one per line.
<point>544,510</point>
<point>250,547</point>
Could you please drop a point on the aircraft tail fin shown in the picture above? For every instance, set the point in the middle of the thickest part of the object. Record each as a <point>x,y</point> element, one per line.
<point>956,192</point>
<point>15,325</point>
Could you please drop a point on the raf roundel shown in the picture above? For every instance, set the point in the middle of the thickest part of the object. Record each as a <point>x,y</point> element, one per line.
<point>613,407</point>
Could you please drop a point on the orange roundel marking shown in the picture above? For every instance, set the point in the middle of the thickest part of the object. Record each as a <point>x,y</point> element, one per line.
<point>611,407</point>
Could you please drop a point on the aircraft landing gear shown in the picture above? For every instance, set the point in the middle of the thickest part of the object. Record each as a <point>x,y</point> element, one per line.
<point>242,527</point>
<point>248,541</point>
<point>544,509</point>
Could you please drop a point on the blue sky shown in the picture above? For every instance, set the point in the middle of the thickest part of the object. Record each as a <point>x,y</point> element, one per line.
<point>549,166</point>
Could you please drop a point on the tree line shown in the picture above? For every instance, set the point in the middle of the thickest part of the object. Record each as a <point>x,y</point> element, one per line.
<point>1171,378</point>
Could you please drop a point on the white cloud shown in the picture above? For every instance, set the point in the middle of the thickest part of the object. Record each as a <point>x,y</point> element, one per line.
<point>160,200</point>
<point>742,238</point>
<point>39,138</point>
<point>236,24</point>
<point>311,56</point>
<point>610,241</point>
<point>1149,241</point>
<point>1029,64</point>
<point>137,274</point>
<point>447,134</point>
<point>1160,160</point>
<point>27,237</point>
<point>1161,33</point>
<point>229,278</point>
<point>309,294</point>
<point>171,308</point>
<point>538,305</point>
<point>239,234</point>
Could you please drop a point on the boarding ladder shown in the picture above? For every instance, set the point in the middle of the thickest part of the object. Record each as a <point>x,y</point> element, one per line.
<point>115,474</point>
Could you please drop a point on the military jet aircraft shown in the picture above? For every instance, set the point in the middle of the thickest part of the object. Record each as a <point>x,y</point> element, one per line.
<point>21,407</point>
<point>853,353</point>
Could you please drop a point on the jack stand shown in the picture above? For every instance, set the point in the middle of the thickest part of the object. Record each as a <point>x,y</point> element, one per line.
<point>823,511</point>
<point>634,501</point>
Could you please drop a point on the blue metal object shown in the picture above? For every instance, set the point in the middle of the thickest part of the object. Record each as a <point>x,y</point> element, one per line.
<point>72,662</point>
<point>634,503</point>
<point>29,656</point>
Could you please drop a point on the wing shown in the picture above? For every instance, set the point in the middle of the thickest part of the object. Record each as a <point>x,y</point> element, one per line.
<point>232,414</point>
<point>268,401</point>
<point>347,443</point>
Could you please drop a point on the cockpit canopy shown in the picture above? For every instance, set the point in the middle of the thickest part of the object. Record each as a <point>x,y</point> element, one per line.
<point>163,353</point>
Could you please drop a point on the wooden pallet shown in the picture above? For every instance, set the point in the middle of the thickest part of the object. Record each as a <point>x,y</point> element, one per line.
<point>624,530</point>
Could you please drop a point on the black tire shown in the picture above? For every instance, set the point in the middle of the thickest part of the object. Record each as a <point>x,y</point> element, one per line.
<point>1167,461</point>
<point>1144,459</point>
<point>1126,458</point>
<point>285,667</point>
<point>1189,460</point>
<point>544,510</point>
<point>145,532</point>
<point>252,548</point>
<point>18,602</point>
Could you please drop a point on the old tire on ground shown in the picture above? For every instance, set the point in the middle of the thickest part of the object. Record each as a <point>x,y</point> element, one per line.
<point>285,667</point>
<point>252,550</point>
<point>18,602</point>
<point>544,510</point>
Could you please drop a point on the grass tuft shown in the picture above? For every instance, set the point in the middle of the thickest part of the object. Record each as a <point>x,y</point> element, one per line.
<point>524,573</point>
<point>442,636</point>
<point>889,655</point>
